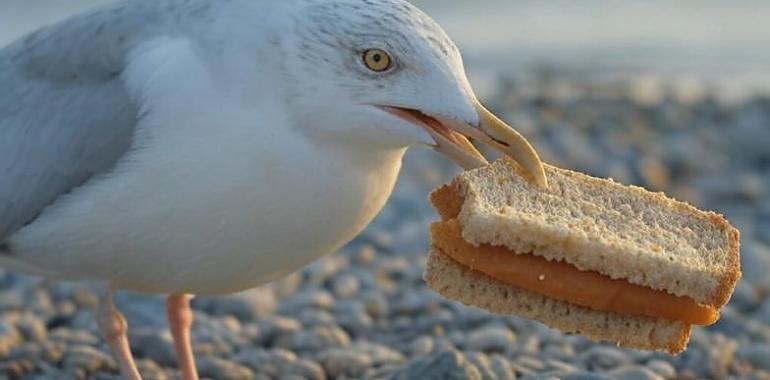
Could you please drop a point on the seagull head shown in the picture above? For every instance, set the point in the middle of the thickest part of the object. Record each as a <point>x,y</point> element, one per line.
<point>383,73</point>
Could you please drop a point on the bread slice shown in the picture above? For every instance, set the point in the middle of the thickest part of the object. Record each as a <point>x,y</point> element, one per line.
<point>623,232</point>
<point>454,281</point>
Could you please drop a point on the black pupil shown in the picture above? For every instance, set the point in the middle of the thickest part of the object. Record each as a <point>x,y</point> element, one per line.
<point>377,58</point>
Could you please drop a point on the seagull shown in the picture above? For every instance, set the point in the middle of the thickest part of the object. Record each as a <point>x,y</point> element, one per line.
<point>197,147</point>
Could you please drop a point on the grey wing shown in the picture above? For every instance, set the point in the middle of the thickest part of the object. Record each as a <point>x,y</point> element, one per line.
<point>65,116</point>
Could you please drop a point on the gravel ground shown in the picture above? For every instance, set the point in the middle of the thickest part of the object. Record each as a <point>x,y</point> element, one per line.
<point>366,313</point>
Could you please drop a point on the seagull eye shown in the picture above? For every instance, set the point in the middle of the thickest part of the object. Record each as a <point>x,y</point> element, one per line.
<point>377,60</point>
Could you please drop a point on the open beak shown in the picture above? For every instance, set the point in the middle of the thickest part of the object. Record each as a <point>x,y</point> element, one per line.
<point>451,138</point>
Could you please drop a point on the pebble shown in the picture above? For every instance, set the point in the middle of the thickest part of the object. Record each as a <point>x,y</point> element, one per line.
<point>601,357</point>
<point>319,338</point>
<point>344,363</point>
<point>304,369</point>
<point>634,373</point>
<point>587,376</point>
<point>755,262</point>
<point>662,368</point>
<point>221,369</point>
<point>268,362</point>
<point>758,355</point>
<point>32,328</point>
<point>87,358</point>
<point>9,337</point>
<point>366,313</point>
<point>490,339</point>
<point>317,299</point>
<point>345,285</point>
<point>450,365</point>
<point>151,344</point>
<point>501,367</point>
<point>422,346</point>
<point>245,306</point>
<point>484,365</point>
<point>351,315</point>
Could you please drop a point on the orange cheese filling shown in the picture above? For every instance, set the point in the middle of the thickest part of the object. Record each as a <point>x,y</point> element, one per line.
<point>564,282</point>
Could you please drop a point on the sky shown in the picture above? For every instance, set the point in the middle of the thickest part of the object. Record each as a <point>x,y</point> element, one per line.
<point>726,40</point>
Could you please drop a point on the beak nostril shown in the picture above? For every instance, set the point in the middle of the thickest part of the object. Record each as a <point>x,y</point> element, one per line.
<point>503,143</point>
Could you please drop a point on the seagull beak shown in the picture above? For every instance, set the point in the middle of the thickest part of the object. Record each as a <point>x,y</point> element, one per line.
<point>451,139</point>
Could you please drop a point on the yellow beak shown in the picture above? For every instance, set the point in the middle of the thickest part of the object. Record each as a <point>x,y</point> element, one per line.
<point>451,137</point>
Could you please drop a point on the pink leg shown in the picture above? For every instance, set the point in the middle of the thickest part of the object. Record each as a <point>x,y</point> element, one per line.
<point>114,328</point>
<point>180,319</point>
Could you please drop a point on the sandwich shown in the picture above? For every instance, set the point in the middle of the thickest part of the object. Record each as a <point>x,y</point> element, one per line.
<point>586,255</point>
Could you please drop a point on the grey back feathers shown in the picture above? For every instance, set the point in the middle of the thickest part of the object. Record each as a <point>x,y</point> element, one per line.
<point>65,114</point>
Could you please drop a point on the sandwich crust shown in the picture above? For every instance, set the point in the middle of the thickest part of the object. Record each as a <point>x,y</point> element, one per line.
<point>454,281</point>
<point>623,232</point>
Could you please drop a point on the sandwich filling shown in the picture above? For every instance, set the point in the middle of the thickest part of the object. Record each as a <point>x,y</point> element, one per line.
<point>560,280</point>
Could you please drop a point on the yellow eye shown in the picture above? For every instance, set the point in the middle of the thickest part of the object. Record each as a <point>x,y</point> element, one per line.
<point>377,60</point>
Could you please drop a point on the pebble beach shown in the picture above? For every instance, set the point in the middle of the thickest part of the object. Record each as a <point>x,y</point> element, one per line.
<point>366,313</point>
<point>673,104</point>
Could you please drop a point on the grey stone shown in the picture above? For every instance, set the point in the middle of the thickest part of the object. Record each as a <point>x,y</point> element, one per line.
<point>324,269</point>
<point>149,370</point>
<point>220,369</point>
<point>490,339</point>
<point>745,297</point>
<point>558,365</point>
<point>17,369</point>
<point>635,373</point>
<point>246,306</point>
<point>482,363</point>
<point>9,336</point>
<point>32,328</point>
<point>443,344</point>
<point>348,363</point>
<point>70,336</point>
<point>409,303</point>
<point>530,362</point>
<point>755,262</point>
<point>142,310</point>
<point>379,354</point>
<point>501,367</point>
<point>351,315</point>
<point>662,368</point>
<point>287,286</point>
<point>345,285</point>
<point>305,369</point>
<point>87,358</point>
<point>315,340</point>
<point>376,305</point>
<point>315,299</point>
<point>601,357</point>
<point>312,317</point>
<point>587,376</point>
<point>157,345</point>
<point>271,327</point>
<point>422,346</point>
<point>221,332</point>
<point>439,366</point>
<point>709,355</point>
<point>270,363</point>
<point>10,300</point>
<point>366,255</point>
<point>758,355</point>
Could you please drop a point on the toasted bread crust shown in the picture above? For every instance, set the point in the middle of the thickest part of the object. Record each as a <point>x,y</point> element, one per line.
<point>454,281</point>
<point>642,237</point>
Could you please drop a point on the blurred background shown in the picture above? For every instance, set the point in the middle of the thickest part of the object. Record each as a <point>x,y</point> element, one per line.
<point>672,96</point>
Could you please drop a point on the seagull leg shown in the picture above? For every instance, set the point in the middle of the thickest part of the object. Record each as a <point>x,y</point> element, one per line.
<point>114,328</point>
<point>180,319</point>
